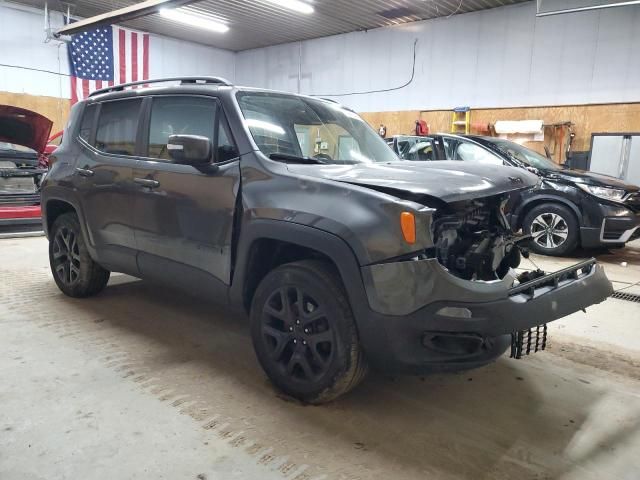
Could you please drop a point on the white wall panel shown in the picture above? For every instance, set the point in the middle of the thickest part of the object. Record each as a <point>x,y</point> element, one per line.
<point>170,57</point>
<point>22,44</point>
<point>503,57</point>
<point>494,58</point>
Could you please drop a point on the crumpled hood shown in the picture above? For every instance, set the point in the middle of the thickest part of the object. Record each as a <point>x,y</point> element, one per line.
<point>450,181</point>
<point>24,127</point>
<point>588,178</point>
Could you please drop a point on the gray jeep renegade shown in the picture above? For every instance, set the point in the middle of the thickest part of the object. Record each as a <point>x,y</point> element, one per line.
<point>293,209</point>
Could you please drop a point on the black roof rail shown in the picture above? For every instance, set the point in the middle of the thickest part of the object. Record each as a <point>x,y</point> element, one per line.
<point>182,80</point>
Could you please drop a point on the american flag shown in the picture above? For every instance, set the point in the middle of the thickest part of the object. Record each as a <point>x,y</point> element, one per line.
<point>106,56</point>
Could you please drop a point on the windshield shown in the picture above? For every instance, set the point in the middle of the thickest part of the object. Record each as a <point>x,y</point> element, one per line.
<point>13,148</point>
<point>304,127</point>
<point>526,155</point>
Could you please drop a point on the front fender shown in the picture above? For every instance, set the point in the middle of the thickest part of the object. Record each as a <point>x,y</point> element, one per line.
<point>528,199</point>
<point>324,242</point>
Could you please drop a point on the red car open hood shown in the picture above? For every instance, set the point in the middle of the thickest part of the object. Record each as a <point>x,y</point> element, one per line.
<point>24,127</point>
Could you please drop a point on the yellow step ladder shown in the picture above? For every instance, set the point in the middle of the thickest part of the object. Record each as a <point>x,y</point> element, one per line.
<point>460,120</point>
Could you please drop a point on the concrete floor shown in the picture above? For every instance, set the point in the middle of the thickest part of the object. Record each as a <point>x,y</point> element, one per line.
<point>141,382</point>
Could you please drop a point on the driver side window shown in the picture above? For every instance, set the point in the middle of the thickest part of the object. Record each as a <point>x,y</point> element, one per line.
<point>177,115</point>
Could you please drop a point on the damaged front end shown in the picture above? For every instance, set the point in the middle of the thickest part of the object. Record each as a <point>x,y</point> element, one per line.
<point>474,241</point>
<point>463,301</point>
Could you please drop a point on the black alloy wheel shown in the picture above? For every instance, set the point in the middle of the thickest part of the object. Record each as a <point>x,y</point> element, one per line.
<point>298,334</point>
<point>304,333</point>
<point>66,256</point>
<point>73,269</point>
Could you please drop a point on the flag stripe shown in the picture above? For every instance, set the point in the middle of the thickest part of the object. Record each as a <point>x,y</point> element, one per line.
<point>134,56</point>
<point>122,45</point>
<point>74,91</point>
<point>116,63</point>
<point>140,57</point>
<point>145,56</point>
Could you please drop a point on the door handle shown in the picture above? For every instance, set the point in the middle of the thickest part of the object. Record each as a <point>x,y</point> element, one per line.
<point>147,182</point>
<point>85,172</point>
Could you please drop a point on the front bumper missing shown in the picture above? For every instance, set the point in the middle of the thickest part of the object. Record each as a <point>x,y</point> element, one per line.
<point>464,324</point>
<point>532,340</point>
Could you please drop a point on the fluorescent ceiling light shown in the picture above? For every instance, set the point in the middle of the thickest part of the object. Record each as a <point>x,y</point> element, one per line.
<point>296,5</point>
<point>194,19</point>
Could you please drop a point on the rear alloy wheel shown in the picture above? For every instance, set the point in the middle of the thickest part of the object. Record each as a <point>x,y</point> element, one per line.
<point>553,229</point>
<point>66,256</point>
<point>73,269</point>
<point>304,333</point>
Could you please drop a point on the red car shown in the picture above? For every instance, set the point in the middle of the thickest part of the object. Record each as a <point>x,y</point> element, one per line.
<point>53,143</point>
<point>23,137</point>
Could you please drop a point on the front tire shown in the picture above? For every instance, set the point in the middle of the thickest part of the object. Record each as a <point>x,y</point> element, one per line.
<point>73,269</point>
<point>304,333</point>
<point>554,229</point>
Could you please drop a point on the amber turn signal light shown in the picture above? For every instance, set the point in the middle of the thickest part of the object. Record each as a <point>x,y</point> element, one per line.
<point>408,225</point>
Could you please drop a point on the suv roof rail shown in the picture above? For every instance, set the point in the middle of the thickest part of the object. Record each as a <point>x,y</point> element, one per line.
<point>182,80</point>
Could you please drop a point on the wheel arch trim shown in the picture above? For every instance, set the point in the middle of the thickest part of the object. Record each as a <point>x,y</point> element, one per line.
<point>63,196</point>
<point>533,202</point>
<point>328,244</point>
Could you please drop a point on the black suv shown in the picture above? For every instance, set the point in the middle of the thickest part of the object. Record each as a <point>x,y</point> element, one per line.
<point>294,209</point>
<point>569,208</point>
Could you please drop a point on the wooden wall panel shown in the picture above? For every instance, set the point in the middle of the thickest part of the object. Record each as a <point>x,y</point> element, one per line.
<point>56,109</point>
<point>588,119</point>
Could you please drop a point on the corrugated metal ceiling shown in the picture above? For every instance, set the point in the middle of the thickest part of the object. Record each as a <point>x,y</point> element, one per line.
<point>260,23</point>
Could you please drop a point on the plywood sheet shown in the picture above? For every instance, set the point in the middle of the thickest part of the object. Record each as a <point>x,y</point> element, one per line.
<point>587,119</point>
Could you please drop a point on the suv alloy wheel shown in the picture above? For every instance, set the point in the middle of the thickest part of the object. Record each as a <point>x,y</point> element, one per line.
<point>304,333</point>
<point>553,229</point>
<point>73,269</point>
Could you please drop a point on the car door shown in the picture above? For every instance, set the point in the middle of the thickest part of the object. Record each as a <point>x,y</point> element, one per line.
<point>184,214</point>
<point>104,170</point>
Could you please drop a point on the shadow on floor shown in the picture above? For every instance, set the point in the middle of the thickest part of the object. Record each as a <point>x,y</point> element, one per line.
<point>512,419</point>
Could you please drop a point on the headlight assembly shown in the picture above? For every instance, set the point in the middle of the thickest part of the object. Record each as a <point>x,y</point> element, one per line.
<point>613,194</point>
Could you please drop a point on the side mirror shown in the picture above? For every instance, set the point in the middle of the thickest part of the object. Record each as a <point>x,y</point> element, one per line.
<point>189,149</point>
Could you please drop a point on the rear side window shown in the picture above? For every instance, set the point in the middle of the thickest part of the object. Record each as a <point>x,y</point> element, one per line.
<point>118,127</point>
<point>179,116</point>
<point>87,123</point>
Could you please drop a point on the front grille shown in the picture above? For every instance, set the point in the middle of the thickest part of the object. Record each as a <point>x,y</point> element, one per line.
<point>20,200</point>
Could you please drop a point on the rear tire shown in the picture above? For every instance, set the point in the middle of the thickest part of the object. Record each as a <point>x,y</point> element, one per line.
<point>304,333</point>
<point>554,229</point>
<point>73,269</point>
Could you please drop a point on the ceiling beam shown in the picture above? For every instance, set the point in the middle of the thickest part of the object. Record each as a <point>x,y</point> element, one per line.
<point>585,9</point>
<point>138,10</point>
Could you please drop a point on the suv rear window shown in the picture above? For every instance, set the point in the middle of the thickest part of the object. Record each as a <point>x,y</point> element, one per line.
<point>118,127</point>
<point>87,123</point>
